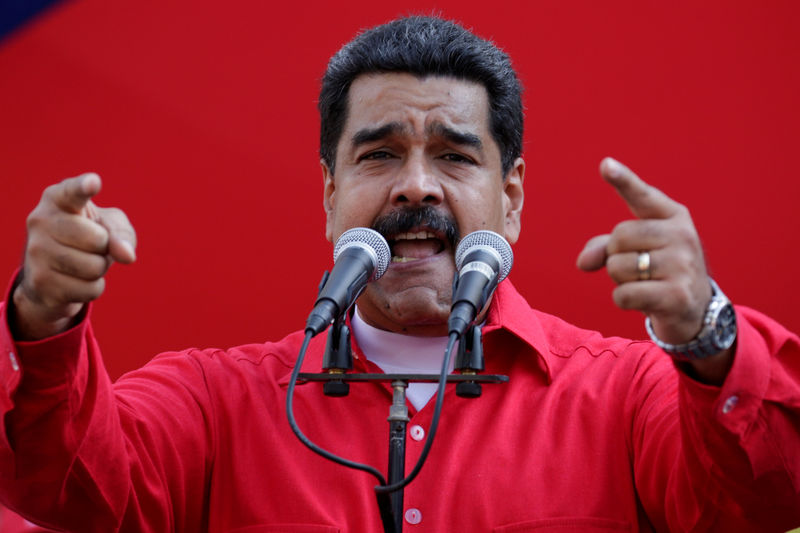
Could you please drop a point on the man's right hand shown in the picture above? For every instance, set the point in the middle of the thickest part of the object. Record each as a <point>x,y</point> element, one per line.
<point>71,244</point>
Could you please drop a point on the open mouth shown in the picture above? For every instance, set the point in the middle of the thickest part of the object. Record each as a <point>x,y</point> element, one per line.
<point>415,245</point>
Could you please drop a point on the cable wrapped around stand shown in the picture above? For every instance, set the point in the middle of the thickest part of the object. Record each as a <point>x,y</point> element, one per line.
<point>382,490</point>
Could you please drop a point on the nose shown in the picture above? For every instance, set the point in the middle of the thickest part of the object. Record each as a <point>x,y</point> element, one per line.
<point>416,184</point>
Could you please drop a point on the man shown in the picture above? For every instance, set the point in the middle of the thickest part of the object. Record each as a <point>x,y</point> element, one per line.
<point>421,139</point>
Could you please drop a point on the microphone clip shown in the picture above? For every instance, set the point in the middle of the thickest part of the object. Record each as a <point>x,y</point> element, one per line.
<point>469,362</point>
<point>338,358</point>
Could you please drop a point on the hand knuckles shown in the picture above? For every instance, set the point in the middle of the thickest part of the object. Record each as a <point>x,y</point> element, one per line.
<point>685,298</point>
<point>630,232</point>
<point>682,211</point>
<point>48,300</point>
<point>620,228</point>
<point>616,240</point>
<point>51,191</point>
<point>117,221</point>
<point>652,229</point>
<point>64,264</point>
<point>627,229</point>
<point>37,280</point>
<point>36,252</point>
<point>115,212</point>
<point>83,291</point>
<point>98,266</point>
<point>87,268</point>
<point>684,234</point>
<point>94,238</point>
<point>95,289</point>
<point>615,267</point>
<point>113,216</point>
<point>36,219</point>
<point>684,261</point>
<point>677,297</point>
<point>623,298</point>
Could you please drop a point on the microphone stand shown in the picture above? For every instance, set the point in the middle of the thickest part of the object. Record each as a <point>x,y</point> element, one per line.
<point>338,360</point>
<point>398,420</point>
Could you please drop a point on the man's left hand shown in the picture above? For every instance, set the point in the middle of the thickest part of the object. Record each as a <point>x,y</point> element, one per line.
<point>673,287</point>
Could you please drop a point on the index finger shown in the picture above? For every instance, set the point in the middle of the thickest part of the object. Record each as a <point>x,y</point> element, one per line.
<point>73,194</point>
<point>644,200</point>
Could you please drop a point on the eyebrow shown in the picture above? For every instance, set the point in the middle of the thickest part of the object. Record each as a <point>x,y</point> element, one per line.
<point>368,135</point>
<point>461,138</point>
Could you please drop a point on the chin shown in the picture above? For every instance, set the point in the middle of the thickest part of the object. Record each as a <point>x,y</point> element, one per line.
<point>417,310</point>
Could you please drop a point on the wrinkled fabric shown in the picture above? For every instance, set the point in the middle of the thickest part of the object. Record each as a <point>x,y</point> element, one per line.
<point>589,434</point>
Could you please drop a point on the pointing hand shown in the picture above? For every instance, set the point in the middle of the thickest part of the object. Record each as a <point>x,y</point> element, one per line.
<point>71,244</point>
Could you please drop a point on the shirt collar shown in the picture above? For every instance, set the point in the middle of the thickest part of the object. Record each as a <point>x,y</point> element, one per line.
<point>510,312</point>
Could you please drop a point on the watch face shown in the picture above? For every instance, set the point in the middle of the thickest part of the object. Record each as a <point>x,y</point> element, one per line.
<point>724,326</point>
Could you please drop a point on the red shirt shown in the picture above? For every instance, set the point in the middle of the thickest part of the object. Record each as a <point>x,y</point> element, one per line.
<point>590,434</point>
<point>13,523</point>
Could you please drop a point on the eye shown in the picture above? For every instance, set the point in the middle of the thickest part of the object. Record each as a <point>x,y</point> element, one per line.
<point>377,155</point>
<point>458,158</point>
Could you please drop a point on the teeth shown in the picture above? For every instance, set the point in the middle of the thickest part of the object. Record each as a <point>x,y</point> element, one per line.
<point>414,236</point>
<point>411,236</point>
<point>398,259</point>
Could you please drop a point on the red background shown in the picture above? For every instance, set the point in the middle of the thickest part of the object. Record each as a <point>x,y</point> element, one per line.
<point>201,118</point>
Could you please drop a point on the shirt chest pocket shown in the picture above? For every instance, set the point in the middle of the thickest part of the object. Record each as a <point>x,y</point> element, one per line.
<point>566,525</point>
<point>286,528</point>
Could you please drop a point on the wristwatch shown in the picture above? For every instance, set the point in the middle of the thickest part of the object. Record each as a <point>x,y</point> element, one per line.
<point>717,334</point>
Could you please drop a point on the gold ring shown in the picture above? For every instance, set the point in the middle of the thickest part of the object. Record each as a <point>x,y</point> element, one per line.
<point>643,265</point>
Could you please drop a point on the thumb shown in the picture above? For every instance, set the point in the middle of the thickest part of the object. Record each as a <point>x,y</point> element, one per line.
<point>121,250</point>
<point>121,235</point>
<point>593,256</point>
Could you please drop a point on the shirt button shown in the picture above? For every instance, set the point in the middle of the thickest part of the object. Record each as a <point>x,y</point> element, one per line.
<point>729,404</point>
<point>14,363</point>
<point>417,433</point>
<point>413,516</point>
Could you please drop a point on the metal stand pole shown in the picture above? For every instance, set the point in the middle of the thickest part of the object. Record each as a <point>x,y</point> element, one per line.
<point>398,420</point>
<point>337,363</point>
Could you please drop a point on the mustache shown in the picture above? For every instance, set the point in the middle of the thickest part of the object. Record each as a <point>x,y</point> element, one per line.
<point>407,218</point>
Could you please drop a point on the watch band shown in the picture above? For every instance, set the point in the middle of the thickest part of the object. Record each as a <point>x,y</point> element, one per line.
<point>715,335</point>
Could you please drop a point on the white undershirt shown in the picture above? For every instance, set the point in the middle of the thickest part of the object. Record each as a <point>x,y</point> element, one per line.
<point>395,353</point>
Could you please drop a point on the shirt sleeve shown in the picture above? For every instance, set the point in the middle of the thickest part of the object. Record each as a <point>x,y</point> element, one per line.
<point>76,454</point>
<point>734,464</point>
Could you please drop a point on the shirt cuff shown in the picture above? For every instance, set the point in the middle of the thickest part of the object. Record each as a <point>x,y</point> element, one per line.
<point>735,405</point>
<point>45,362</point>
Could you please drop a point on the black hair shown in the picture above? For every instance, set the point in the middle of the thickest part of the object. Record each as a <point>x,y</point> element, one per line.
<point>424,46</point>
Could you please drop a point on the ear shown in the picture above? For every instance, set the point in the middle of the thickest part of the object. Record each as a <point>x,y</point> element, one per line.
<point>328,187</point>
<point>513,197</point>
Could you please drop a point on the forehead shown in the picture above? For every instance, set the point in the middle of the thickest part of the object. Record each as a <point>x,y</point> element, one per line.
<point>416,103</point>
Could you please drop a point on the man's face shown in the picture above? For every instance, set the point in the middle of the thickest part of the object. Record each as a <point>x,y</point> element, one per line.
<point>408,144</point>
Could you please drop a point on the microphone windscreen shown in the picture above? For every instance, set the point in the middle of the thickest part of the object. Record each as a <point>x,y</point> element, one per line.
<point>369,240</point>
<point>486,239</point>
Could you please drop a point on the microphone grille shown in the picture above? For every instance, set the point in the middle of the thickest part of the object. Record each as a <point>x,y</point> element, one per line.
<point>368,238</point>
<point>485,238</point>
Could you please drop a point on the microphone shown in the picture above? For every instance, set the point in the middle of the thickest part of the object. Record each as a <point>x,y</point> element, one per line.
<point>483,260</point>
<point>361,255</point>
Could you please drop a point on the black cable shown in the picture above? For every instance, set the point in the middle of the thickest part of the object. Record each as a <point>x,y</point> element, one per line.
<point>448,352</point>
<point>305,440</point>
<point>382,489</point>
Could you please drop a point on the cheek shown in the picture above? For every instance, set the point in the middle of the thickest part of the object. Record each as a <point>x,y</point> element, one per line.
<point>478,209</point>
<point>356,206</point>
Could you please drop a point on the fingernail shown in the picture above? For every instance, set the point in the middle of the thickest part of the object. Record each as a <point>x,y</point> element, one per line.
<point>129,248</point>
<point>613,167</point>
<point>88,184</point>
